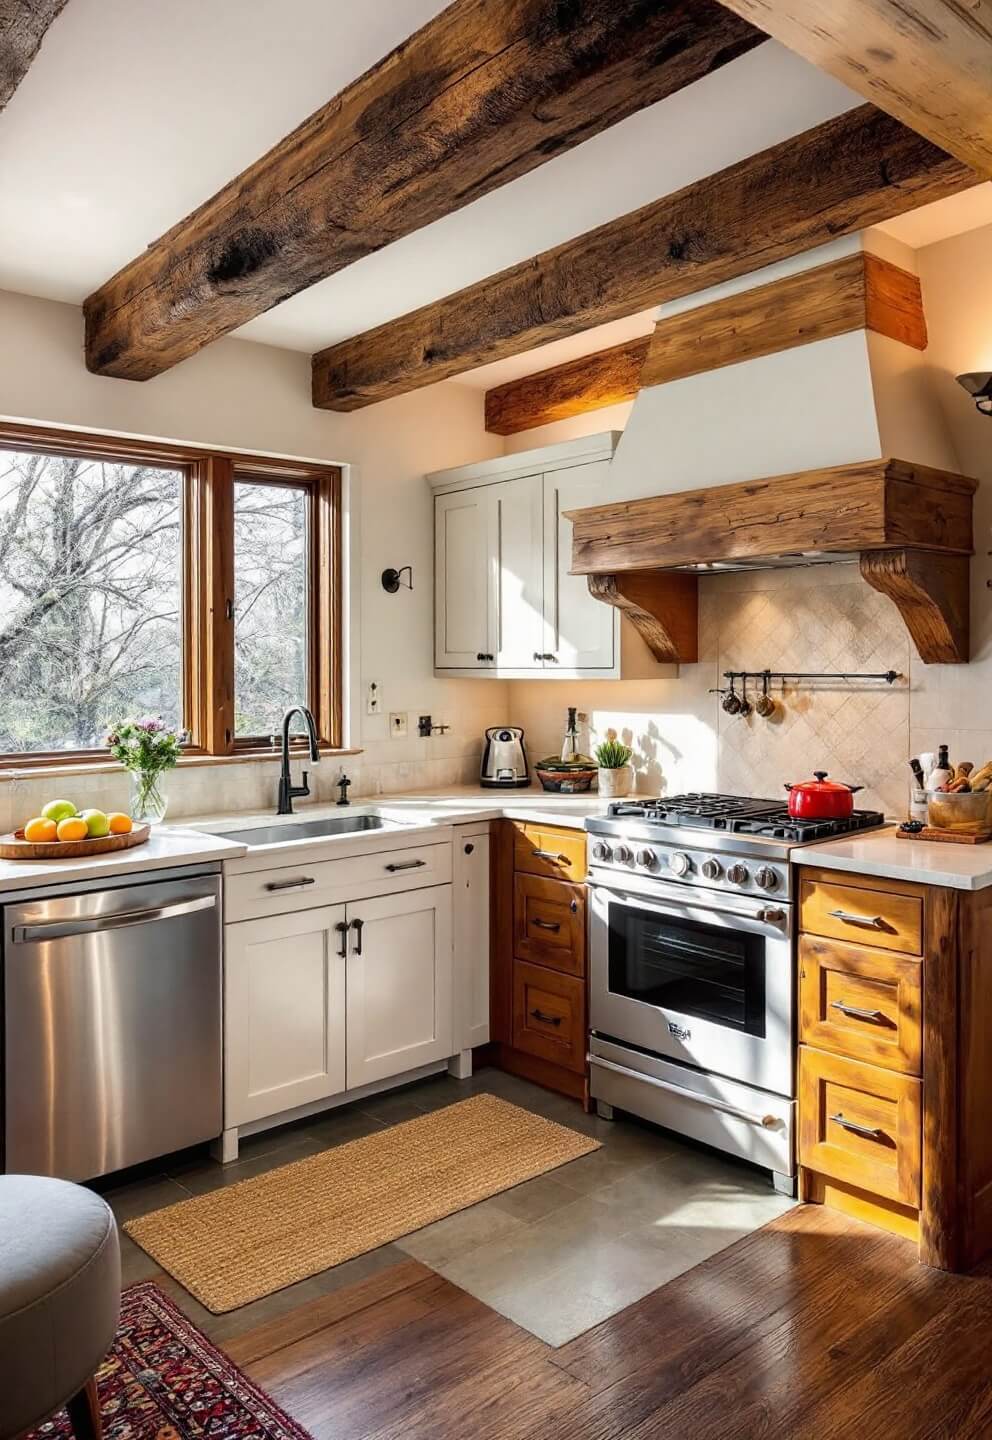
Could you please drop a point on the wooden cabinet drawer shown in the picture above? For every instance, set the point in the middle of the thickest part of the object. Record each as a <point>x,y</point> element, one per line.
<point>549,1015</point>
<point>860,1124</point>
<point>549,923</point>
<point>883,918</point>
<point>860,1002</point>
<point>557,854</point>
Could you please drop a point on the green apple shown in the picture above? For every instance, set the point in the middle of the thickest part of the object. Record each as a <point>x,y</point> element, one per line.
<point>58,810</point>
<point>97,824</point>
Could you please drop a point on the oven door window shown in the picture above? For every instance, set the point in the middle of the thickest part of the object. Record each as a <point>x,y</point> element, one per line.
<point>688,967</point>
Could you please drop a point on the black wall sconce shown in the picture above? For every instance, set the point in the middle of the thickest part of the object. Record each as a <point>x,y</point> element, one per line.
<point>393,579</point>
<point>979,386</point>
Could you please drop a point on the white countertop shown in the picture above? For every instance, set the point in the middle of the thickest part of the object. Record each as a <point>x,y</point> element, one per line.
<point>885,854</point>
<point>167,846</point>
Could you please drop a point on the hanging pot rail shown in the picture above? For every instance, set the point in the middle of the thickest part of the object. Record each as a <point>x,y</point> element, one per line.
<point>889,676</point>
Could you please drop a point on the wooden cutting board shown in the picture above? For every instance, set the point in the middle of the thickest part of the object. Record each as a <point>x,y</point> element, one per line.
<point>947,837</point>
<point>15,847</point>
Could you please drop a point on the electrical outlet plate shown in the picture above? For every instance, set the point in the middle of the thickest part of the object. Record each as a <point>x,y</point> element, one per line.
<point>397,724</point>
<point>373,700</point>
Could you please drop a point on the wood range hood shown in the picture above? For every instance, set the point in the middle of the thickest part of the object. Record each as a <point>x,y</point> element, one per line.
<point>908,527</point>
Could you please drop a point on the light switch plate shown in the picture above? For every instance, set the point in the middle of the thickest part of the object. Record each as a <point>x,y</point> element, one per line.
<point>373,700</point>
<point>397,724</point>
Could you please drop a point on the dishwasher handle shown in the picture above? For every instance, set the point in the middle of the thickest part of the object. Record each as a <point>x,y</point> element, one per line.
<point>63,929</point>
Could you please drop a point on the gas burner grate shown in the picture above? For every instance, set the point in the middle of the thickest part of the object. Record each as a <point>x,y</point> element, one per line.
<point>783,826</point>
<point>740,815</point>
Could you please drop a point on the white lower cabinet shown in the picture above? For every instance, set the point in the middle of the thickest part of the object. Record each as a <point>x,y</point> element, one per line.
<point>284,1013</point>
<point>399,984</point>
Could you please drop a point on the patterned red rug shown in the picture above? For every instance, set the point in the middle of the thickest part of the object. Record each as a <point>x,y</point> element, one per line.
<point>163,1380</point>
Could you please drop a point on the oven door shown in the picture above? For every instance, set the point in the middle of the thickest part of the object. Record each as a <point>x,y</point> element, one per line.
<point>696,977</point>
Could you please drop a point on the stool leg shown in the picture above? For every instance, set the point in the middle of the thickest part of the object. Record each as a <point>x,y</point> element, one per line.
<point>84,1413</point>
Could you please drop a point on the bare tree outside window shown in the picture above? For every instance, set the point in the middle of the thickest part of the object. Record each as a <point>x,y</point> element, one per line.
<point>271,604</point>
<point>90,598</point>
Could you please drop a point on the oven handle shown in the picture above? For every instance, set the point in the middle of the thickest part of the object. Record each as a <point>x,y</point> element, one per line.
<point>767,1122</point>
<point>767,915</point>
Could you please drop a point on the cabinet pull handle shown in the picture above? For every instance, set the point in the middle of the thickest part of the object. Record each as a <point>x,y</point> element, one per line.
<point>545,1019</point>
<point>406,865</point>
<point>871,1131</point>
<point>539,656</point>
<point>342,928</point>
<point>303,881</point>
<point>469,849</point>
<point>869,922</point>
<point>357,926</point>
<point>856,1013</point>
<point>546,925</point>
<point>550,855</point>
<point>484,656</point>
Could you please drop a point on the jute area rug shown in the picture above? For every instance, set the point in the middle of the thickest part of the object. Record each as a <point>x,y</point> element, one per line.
<point>235,1245</point>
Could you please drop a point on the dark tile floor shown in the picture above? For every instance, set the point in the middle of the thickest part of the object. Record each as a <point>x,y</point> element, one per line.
<point>557,1254</point>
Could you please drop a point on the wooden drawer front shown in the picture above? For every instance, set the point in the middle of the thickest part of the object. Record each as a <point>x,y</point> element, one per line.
<point>549,923</point>
<point>868,917</point>
<point>860,1002</point>
<point>301,883</point>
<point>555,854</point>
<point>549,1015</point>
<point>884,1156</point>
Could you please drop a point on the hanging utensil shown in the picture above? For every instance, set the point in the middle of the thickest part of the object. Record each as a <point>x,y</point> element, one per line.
<point>764,705</point>
<point>746,706</point>
<point>731,701</point>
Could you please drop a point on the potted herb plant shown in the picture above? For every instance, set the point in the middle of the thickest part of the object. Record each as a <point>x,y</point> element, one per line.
<point>147,747</point>
<point>616,777</point>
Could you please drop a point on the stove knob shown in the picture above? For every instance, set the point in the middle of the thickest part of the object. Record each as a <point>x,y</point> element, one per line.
<point>622,854</point>
<point>680,864</point>
<point>647,857</point>
<point>712,869</point>
<point>738,874</point>
<point>766,878</point>
<point>601,851</point>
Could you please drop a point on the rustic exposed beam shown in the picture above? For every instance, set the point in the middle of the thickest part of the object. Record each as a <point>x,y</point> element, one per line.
<point>23,26</point>
<point>663,609</point>
<point>606,377</point>
<point>853,171</point>
<point>482,94</point>
<point>860,292</point>
<point>931,593</point>
<point>927,62</point>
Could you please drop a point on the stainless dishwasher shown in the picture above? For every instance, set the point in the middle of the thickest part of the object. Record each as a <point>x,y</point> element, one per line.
<point>111,1025</point>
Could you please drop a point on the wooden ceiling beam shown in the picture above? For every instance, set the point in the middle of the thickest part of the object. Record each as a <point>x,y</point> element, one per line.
<point>927,62</point>
<point>23,26</point>
<point>482,94</point>
<point>851,172</point>
<point>606,377</point>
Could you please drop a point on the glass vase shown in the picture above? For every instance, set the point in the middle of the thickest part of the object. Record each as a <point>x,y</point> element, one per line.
<point>148,801</point>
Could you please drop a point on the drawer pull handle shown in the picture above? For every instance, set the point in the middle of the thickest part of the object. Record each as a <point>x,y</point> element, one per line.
<point>406,865</point>
<point>856,1012</point>
<point>868,922</point>
<point>545,1019</point>
<point>546,925</point>
<point>342,928</point>
<point>558,859</point>
<point>291,884</point>
<point>871,1132</point>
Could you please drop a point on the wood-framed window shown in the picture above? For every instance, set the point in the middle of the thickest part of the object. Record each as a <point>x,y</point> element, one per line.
<point>138,577</point>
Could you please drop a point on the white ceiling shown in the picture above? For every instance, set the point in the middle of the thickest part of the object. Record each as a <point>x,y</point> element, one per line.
<point>135,111</point>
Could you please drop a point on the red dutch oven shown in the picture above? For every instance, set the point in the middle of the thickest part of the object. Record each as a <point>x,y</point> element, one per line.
<point>821,799</point>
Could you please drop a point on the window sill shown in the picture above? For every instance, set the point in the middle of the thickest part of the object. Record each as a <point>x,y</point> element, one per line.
<point>11,771</point>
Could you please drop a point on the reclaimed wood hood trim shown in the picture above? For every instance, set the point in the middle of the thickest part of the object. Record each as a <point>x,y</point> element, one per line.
<point>911,526</point>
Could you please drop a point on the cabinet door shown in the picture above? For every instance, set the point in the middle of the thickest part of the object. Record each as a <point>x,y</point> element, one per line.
<point>470,898</point>
<point>284,1013</point>
<point>580,632</point>
<point>520,605</point>
<point>464,580</point>
<point>399,984</point>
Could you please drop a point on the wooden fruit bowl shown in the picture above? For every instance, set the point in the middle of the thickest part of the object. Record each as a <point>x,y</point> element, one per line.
<point>15,847</point>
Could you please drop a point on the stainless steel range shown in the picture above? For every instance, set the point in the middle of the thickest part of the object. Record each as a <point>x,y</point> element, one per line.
<point>692,974</point>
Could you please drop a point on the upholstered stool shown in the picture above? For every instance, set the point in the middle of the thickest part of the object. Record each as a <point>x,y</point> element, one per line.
<point>60,1291</point>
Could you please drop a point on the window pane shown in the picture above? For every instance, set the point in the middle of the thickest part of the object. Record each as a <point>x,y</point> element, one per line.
<point>90,598</point>
<point>271,605</point>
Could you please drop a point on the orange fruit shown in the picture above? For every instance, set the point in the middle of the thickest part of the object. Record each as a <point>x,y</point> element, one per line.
<point>74,828</point>
<point>40,830</point>
<point>120,824</point>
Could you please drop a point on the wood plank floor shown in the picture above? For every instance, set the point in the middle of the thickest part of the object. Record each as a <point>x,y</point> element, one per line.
<point>815,1328</point>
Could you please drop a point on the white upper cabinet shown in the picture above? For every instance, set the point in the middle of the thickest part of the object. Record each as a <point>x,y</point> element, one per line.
<point>505,604</point>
